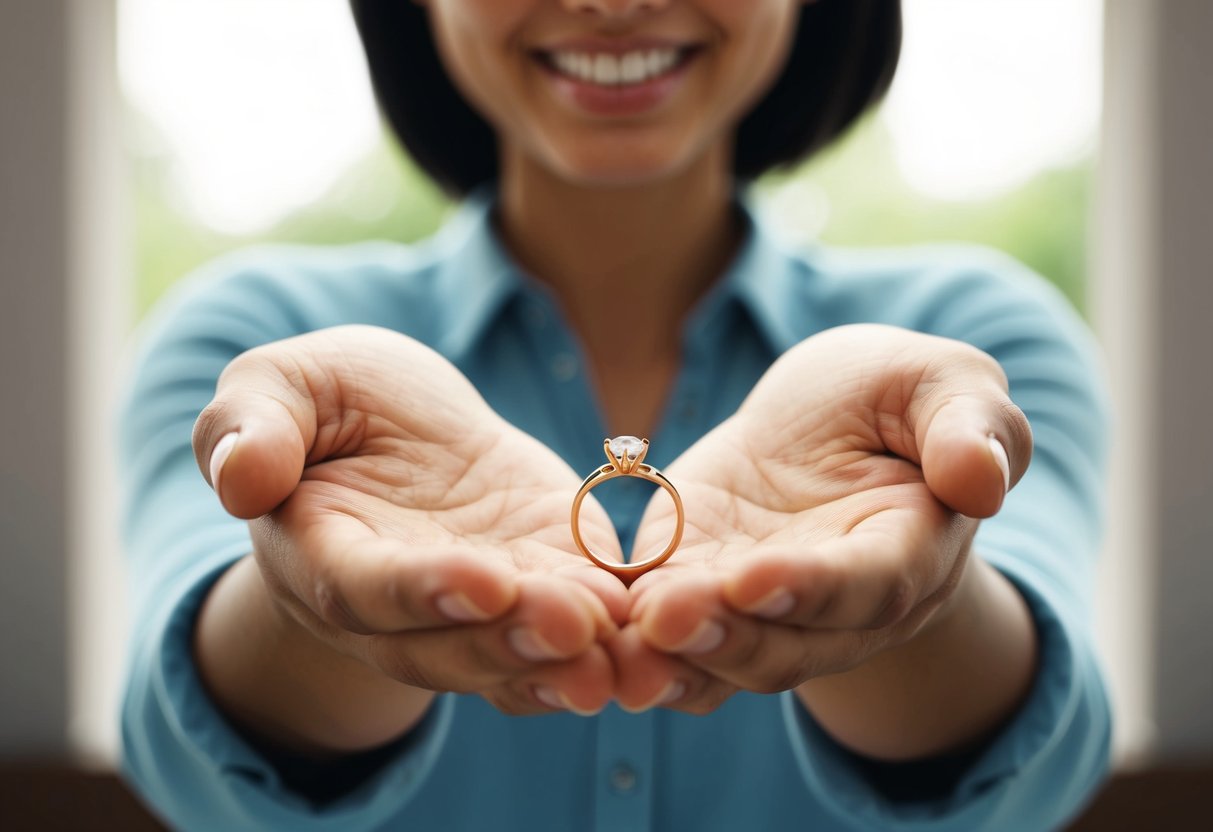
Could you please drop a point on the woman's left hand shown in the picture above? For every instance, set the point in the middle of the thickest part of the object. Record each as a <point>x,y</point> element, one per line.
<point>828,520</point>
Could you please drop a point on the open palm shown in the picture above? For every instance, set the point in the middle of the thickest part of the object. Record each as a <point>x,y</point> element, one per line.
<point>825,520</point>
<point>411,526</point>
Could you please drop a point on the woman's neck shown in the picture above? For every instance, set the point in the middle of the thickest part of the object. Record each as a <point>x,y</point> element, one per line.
<point>626,263</point>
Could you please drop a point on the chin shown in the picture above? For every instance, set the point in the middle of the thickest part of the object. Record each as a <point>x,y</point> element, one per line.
<point>617,169</point>
<point>630,178</point>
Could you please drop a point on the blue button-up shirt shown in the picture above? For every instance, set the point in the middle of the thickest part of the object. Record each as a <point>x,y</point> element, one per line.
<point>759,761</point>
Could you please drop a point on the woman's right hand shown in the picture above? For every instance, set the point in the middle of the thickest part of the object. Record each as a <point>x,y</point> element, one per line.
<point>405,525</point>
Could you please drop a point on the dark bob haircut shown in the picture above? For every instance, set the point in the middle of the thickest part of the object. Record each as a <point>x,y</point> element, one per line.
<point>841,62</point>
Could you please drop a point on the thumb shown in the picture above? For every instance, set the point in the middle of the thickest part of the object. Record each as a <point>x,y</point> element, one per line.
<point>251,441</point>
<point>974,449</point>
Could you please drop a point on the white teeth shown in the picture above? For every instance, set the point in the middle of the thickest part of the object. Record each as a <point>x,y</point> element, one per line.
<point>606,69</point>
<point>612,70</point>
<point>656,63</point>
<point>632,68</point>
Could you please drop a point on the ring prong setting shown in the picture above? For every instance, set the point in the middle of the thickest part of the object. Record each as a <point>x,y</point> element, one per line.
<point>625,452</point>
<point>625,455</point>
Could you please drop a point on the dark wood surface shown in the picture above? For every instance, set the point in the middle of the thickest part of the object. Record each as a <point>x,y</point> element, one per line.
<point>41,797</point>
<point>1160,799</point>
<point>52,797</point>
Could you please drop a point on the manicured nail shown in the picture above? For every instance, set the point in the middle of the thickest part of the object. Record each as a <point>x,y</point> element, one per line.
<point>531,646</point>
<point>222,450</point>
<point>458,607</point>
<point>555,699</point>
<point>672,692</point>
<point>549,697</point>
<point>778,602</point>
<point>1000,458</point>
<point>707,637</point>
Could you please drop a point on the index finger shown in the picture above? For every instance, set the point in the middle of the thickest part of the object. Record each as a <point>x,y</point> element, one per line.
<point>867,579</point>
<point>355,580</point>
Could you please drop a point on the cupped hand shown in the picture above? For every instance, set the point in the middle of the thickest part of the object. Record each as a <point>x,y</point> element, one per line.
<point>404,523</point>
<point>827,520</point>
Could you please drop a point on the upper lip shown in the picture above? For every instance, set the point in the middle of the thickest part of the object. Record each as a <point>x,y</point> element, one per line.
<point>614,46</point>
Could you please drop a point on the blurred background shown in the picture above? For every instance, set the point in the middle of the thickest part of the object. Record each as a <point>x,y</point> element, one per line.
<point>141,138</point>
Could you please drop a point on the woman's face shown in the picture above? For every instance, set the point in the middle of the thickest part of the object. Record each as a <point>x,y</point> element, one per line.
<point>613,92</point>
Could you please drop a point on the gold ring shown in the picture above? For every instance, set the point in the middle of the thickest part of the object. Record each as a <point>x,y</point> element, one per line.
<point>625,458</point>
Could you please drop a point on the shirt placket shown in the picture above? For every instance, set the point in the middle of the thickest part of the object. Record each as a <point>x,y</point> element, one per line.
<point>624,774</point>
<point>624,771</point>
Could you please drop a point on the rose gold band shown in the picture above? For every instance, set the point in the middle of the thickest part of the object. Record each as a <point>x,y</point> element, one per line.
<point>626,464</point>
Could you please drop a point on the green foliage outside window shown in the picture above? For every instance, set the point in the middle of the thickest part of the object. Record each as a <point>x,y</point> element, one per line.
<point>1043,223</point>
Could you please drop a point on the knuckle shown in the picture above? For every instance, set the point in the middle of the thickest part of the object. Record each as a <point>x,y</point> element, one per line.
<point>402,665</point>
<point>512,703</point>
<point>491,654</point>
<point>747,652</point>
<point>212,422</point>
<point>699,706</point>
<point>1018,426</point>
<point>811,666</point>
<point>777,678</point>
<point>771,670</point>
<point>708,700</point>
<point>478,662</point>
<point>766,683</point>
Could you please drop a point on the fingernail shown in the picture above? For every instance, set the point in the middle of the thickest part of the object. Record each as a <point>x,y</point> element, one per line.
<point>531,646</point>
<point>549,697</point>
<point>707,637</point>
<point>222,450</point>
<point>672,692</point>
<point>458,607</point>
<point>555,699</point>
<point>776,603</point>
<point>1000,458</point>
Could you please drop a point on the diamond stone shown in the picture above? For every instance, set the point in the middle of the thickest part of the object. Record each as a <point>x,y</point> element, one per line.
<point>626,444</point>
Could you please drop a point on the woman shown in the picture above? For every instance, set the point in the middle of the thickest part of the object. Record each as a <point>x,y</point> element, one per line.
<point>837,640</point>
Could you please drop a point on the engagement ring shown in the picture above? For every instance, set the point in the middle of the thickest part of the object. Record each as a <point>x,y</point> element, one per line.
<point>625,458</point>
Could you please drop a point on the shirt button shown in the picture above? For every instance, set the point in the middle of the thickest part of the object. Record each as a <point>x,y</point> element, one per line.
<point>623,778</point>
<point>564,366</point>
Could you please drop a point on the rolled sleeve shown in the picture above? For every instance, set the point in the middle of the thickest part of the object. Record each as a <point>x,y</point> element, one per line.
<point>1036,773</point>
<point>179,751</point>
<point>200,773</point>
<point>1044,764</point>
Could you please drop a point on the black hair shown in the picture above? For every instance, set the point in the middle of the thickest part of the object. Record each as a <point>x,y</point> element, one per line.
<point>841,62</point>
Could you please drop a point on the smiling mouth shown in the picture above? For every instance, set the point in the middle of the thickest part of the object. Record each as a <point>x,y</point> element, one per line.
<point>627,69</point>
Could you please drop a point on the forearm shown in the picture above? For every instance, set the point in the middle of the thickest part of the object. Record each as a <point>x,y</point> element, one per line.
<point>955,682</point>
<point>279,682</point>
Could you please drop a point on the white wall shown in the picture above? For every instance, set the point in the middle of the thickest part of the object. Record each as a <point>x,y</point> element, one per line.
<point>62,245</point>
<point>34,194</point>
<point>1152,293</point>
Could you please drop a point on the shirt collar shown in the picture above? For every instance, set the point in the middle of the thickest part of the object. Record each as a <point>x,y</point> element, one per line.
<point>477,277</point>
<point>763,278</point>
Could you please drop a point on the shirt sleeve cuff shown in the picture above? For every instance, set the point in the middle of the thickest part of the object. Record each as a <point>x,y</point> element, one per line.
<point>199,772</point>
<point>1036,773</point>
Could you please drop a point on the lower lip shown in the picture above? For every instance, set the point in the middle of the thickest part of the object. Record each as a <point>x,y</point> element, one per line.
<point>621,100</point>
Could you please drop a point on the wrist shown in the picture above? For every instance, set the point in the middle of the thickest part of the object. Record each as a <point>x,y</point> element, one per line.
<point>946,689</point>
<point>282,684</point>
